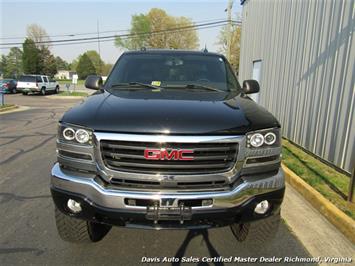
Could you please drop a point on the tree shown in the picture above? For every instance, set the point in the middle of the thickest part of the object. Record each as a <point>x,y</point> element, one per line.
<point>47,63</point>
<point>185,39</point>
<point>11,64</point>
<point>106,69</point>
<point>3,63</point>
<point>38,34</point>
<point>85,67</point>
<point>30,57</point>
<point>235,45</point>
<point>96,60</point>
<point>156,25</point>
<point>61,64</point>
<point>139,23</point>
<point>74,64</point>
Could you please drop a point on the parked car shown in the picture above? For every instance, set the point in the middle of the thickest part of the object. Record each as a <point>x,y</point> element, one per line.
<point>171,140</point>
<point>8,85</point>
<point>37,84</point>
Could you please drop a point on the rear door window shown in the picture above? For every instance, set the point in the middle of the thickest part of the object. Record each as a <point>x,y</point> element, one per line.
<point>27,78</point>
<point>38,79</point>
<point>45,79</point>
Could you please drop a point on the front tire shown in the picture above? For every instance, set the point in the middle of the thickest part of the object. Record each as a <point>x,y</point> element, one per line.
<point>56,91</point>
<point>14,91</point>
<point>79,231</point>
<point>258,232</point>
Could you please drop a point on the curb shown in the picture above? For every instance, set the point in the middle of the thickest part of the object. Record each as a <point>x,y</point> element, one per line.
<point>18,108</point>
<point>66,97</point>
<point>8,108</point>
<point>339,219</point>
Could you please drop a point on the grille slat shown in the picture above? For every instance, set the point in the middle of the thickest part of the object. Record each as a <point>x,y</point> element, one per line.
<point>165,166</point>
<point>128,156</point>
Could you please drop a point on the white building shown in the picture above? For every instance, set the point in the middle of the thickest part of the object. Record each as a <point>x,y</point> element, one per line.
<point>64,74</point>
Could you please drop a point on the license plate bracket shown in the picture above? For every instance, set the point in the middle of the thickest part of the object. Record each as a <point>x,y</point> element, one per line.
<point>161,213</point>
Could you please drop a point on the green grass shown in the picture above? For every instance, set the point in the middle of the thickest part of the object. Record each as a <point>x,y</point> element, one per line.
<point>318,174</point>
<point>66,81</point>
<point>74,93</point>
<point>6,105</point>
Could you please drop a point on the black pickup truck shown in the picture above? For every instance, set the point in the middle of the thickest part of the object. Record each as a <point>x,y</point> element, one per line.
<point>170,141</point>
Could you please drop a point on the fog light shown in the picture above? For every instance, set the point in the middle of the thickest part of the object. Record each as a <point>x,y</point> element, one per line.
<point>74,206</point>
<point>262,207</point>
<point>207,202</point>
<point>131,202</point>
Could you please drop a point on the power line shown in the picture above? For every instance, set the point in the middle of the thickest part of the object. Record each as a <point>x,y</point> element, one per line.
<point>89,33</point>
<point>120,35</point>
<point>127,37</point>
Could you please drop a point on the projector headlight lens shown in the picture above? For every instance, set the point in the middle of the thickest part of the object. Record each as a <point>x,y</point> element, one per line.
<point>270,138</point>
<point>256,140</point>
<point>82,136</point>
<point>69,133</point>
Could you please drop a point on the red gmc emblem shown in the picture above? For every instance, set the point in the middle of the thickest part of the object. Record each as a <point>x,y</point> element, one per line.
<point>163,154</point>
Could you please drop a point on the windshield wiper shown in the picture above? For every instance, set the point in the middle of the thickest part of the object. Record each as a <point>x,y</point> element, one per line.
<point>135,84</point>
<point>195,86</point>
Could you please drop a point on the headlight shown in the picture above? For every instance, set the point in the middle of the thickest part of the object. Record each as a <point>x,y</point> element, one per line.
<point>69,133</point>
<point>74,134</point>
<point>267,137</point>
<point>82,136</point>
<point>256,140</point>
<point>270,138</point>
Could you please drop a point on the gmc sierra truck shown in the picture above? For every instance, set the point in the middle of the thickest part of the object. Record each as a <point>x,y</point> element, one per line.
<point>169,141</point>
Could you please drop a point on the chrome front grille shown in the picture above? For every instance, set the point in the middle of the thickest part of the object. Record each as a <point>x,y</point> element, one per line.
<point>128,156</point>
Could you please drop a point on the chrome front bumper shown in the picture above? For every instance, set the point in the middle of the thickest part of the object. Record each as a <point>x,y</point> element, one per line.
<point>85,184</point>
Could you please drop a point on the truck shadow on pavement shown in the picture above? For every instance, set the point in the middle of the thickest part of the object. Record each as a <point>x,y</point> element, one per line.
<point>192,234</point>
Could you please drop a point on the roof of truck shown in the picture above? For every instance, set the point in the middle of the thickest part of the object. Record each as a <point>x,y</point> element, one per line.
<point>175,51</point>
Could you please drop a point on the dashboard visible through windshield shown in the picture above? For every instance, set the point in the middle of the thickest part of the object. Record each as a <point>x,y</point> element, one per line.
<point>172,70</point>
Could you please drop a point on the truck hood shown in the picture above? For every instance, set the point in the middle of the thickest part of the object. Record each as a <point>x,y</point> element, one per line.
<point>170,112</point>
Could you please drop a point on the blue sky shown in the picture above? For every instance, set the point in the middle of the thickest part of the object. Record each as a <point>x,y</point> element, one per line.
<point>70,17</point>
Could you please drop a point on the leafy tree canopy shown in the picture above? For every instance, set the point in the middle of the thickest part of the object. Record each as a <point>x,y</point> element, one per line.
<point>85,67</point>
<point>61,64</point>
<point>158,21</point>
<point>11,64</point>
<point>30,57</point>
<point>235,45</point>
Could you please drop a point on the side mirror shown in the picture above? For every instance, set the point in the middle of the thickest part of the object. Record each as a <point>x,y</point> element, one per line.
<point>250,86</point>
<point>93,82</point>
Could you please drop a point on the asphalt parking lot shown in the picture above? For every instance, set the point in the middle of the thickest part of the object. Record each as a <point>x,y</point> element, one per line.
<point>28,234</point>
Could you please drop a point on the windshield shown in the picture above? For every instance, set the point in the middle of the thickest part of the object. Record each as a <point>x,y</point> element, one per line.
<point>173,70</point>
<point>27,79</point>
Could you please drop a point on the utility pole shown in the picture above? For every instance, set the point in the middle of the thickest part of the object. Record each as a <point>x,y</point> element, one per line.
<point>98,45</point>
<point>229,28</point>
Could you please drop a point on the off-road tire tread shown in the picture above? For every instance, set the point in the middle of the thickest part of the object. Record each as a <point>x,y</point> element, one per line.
<point>71,229</point>
<point>257,232</point>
